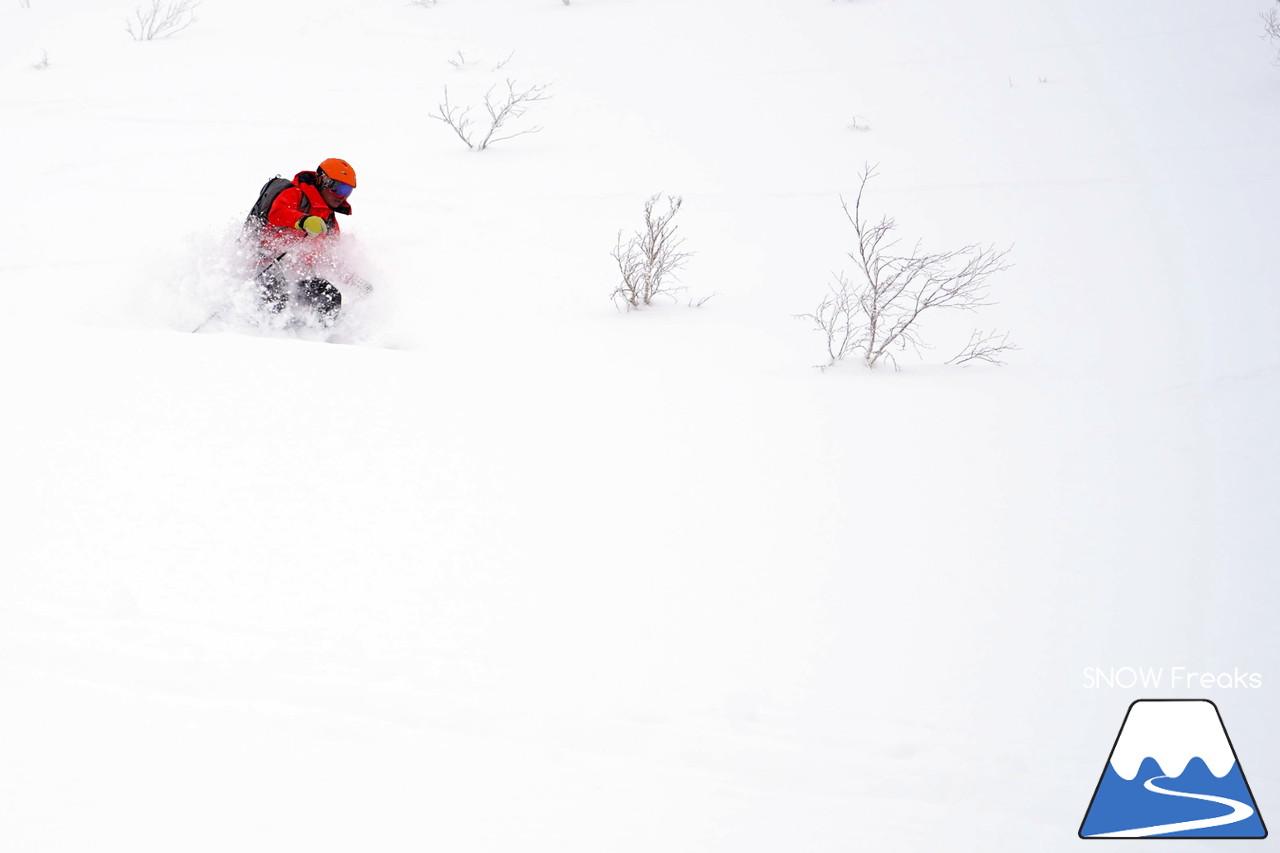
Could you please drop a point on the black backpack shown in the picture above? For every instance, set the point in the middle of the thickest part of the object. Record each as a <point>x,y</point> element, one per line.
<point>266,197</point>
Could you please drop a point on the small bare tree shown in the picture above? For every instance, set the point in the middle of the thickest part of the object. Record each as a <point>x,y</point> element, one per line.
<point>879,312</point>
<point>501,111</point>
<point>650,259</point>
<point>161,20</point>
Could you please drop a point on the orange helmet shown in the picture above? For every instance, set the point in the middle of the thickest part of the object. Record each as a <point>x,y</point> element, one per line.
<point>339,170</point>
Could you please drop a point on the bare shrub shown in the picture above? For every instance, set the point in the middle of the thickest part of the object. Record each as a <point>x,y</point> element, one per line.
<point>161,20</point>
<point>878,312</point>
<point>501,111</point>
<point>650,259</point>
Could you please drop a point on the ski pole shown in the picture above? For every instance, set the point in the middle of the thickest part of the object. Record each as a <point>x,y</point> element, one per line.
<point>218,312</point>
<point>274,261</point>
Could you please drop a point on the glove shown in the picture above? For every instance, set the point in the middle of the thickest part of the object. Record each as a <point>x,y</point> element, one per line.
<point>313,225</point>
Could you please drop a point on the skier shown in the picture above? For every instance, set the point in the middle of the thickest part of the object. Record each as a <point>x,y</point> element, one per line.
<point>296,228</point>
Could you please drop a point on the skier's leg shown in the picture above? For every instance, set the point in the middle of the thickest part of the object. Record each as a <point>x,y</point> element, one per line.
<point>322,296</point>
<point>273,290</point>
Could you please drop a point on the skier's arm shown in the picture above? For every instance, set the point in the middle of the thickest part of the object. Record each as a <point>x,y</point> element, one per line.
<point>285,210</point>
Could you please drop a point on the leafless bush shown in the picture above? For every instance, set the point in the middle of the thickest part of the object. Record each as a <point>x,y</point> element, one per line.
<point>161,20</point>
<point>879,312</point>
<point>43,62</point>
<point>650,259</point>
<point>501,111</point>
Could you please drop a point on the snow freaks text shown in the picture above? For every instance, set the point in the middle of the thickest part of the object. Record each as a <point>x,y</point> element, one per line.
<point>1172,678</point>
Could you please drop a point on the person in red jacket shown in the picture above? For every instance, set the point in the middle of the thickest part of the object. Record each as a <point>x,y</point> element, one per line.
<point>298,228</point>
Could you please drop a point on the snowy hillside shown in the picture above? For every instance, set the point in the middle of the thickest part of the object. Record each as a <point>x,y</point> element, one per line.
<point>509,569</point>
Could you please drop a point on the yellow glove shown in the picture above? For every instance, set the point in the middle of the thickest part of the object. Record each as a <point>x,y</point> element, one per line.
<point>313,225</point>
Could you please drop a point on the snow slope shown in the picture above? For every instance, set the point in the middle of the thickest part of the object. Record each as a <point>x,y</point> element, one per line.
<point>516,571</point>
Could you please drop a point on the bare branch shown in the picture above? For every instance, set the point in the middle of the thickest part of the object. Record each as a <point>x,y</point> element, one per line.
<point>514,107</point>
<point>880,313</point>
<point>455,117</point>
<point>500,111</point>
<point>162,20</point>
<point>1271,26</point>
<point>984,346</point>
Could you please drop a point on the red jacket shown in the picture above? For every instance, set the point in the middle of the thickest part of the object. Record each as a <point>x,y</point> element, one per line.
<point>292,204</point>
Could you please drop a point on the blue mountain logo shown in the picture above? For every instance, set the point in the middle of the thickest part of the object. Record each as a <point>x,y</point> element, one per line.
<point>1173,773</point>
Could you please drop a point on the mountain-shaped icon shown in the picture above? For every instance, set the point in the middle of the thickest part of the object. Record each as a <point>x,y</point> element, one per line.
<point>1173,773</point>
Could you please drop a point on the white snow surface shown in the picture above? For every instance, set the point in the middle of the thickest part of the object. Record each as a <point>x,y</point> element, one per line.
<point>1172,733</point>
<point>506,569</point>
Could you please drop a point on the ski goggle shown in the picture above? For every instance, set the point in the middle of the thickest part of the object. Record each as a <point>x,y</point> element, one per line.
<point>340,189</point>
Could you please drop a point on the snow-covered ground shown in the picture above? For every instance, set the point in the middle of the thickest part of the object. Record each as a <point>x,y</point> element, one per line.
<point>513,570</point>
